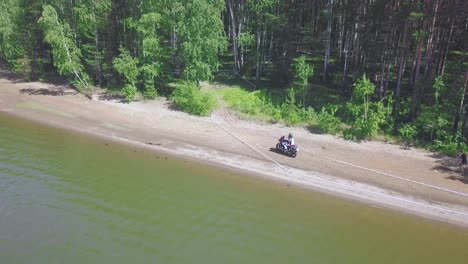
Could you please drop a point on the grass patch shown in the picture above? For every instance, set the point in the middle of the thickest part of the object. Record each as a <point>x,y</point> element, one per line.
<point>261,105</point>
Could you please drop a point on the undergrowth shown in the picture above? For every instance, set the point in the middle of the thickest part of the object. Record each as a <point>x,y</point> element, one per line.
<point>188,98</point>
<point>260,104</point>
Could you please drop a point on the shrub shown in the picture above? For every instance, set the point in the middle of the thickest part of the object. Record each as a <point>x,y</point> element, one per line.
<point>429,123</point>
<point>289,109</point>
<point>243,101</point>
<point>351,134</point>
<point>275,113</point>
<point>366,117</point>
<point>407,132</point>
<point>446,143</point>
<point>367,120</point>
<point>127,66</point>
<point>190,99</point>
<point>260,104</point>
<point>327,121</point>
<point>23,67</point>
<point>129,92</point>
<point>150,92</point>
<point>308,114</point>
<point>289,114</point>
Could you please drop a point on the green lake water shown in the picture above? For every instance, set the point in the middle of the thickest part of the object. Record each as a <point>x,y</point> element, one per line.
<point>67,198</point>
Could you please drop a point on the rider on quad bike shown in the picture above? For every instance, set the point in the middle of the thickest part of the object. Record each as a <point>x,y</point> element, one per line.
<point>288,142</point>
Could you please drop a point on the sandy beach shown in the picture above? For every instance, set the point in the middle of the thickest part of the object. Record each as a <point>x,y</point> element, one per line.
<point>383,174</point>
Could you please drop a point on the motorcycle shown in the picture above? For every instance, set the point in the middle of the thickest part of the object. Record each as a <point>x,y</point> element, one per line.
<point>284,147</point>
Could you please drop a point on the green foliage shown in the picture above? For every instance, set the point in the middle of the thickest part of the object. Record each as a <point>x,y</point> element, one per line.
<point>389,124</point>
<point>162,40</point>
<point>89,20</point>
<point>419,34</point>
<point>376,117</point>
<point>328,122</point>
<point>416,15</point>
<point>260,104</point>
<point>13,42</point>
<point>446,143</point>
<point>148,66</point>
<point>289,109</point>
<point>439,88</point>
<point>246,39</point>
<point>153,53</point>
<point>437,121</point>
<point>201,34</point>
<point>407,132</point>
<point>430,121</point>
<point>293,115</point>
<point>244,102</point>
<point>366,117</point>
<point>435,125</point>
<point>350,134</point>
<point>126,65</point>
<point>302,72</point>
<point>129,92</point>
<point>290,115</point>
<point>150,92</point>
<point>67,56</point>
<point>190,99</point>
<point>23,66</point>
<point>363,89</point>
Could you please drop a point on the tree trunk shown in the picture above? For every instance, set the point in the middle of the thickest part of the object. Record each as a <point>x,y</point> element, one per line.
<point>402,66</point>
<point>383,64</point>
<point>257,70</point>
<point>356,51</point>
<point>264,48</point>
<point>430,45</point>
<point>387,76</point>
<point>416,97</point>
<point>96,49</point>
<point>242,51</point>
<point>346,51</point>
<point>327,48</point>
<point>461,105</point>
<point>233,35</point>
<point>447,48</point>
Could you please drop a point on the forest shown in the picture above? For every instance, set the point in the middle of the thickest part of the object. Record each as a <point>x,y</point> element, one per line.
<point>361,69</point>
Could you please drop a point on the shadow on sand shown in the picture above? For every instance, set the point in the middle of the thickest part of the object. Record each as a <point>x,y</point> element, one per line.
<point>5,74</point>
<point>314,130</point>
<point>275,150</point>
<point>462,179</point>
<point>55,91</point>
<point>449,166</point>
<point>112,97</point>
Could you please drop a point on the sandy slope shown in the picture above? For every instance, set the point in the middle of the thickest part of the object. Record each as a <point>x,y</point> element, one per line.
<point>414,181</point>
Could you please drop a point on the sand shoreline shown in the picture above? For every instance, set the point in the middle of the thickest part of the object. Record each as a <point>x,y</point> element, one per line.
<point>328,164</point>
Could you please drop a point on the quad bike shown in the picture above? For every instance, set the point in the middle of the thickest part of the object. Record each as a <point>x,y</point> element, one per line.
<point>283,146</point>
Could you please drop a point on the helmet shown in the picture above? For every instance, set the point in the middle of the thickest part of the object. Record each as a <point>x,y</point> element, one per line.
<point>290,135</point>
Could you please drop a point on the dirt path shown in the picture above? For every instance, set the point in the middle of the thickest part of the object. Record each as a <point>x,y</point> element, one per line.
<point>413,180</point>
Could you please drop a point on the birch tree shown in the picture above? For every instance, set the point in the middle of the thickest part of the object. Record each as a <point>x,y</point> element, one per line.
<point>67,56</point>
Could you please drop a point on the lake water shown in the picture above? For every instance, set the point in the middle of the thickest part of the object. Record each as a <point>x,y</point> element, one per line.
<point>68,198</point>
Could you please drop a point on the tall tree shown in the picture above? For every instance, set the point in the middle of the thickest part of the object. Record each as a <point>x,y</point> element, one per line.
<point>328,40</point>
<point>91,18</point>
<point>67,56</point>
